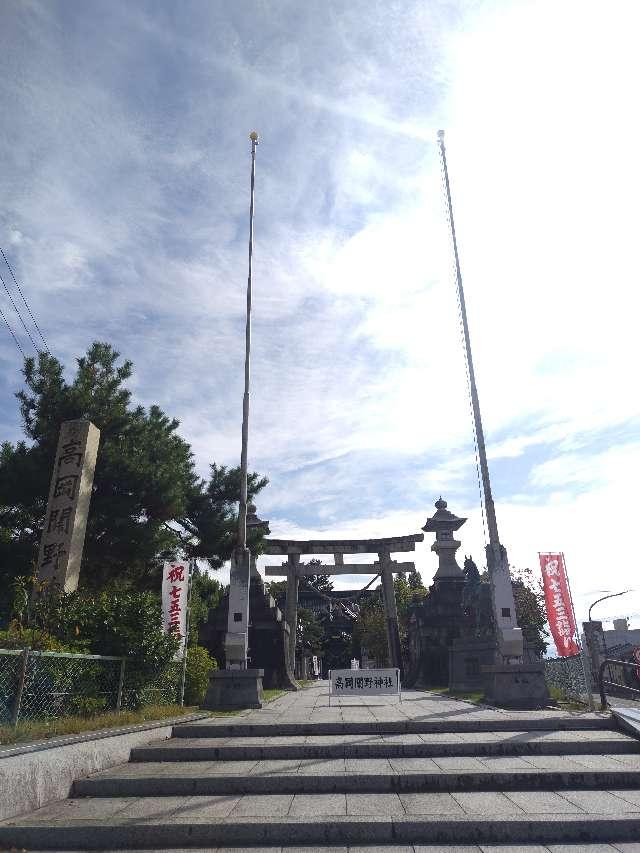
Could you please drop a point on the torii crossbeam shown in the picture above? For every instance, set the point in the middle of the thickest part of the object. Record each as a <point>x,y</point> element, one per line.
<point>384,566</point>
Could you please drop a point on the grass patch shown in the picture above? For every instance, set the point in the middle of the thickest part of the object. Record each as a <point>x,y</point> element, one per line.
<point>566,702</point>
<point>272,693</point>
<point>34,730</point>
<point>305,682</point>
<point>476,697</point>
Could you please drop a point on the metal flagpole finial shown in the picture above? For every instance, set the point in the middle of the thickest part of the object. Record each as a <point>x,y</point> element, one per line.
<point>254,136</point>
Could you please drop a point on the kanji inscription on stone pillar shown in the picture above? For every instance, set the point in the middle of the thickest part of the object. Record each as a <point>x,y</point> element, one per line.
<point>65,521</point>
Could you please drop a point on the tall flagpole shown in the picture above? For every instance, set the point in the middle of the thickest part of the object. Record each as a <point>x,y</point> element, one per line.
<point>242,514</point>
<point>237,637</point>
<point>510,636</point>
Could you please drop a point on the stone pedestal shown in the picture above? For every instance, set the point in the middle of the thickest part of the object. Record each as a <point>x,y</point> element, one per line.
<point>233,689</point>
<point>518,686</point>
<point>468,661</point>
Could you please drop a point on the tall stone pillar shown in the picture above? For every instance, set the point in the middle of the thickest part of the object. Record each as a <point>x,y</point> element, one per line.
<point>291,607</point>
<point>390,610</point>
<point>65,523</point>
<point>243,564</point>
<point>237,638</point>
<point>239,685</point>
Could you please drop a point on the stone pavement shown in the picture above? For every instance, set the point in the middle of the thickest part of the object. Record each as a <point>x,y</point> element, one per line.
<point>427,774</point>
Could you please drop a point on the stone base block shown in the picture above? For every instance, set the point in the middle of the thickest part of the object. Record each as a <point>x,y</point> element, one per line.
<point>468,660</point>
<point>520,685</point>
<point>234,689</point>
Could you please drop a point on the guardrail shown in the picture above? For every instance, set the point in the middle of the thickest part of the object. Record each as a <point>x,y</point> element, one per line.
<point>604,684</point>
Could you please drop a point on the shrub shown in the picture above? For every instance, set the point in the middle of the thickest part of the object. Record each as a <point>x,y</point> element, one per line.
<point>20,638</point>
<point>125,624</point>
<point>86,706</point>
<point>199,664</point>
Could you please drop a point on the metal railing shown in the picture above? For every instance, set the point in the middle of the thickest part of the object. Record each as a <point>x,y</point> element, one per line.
<point>621,666</point>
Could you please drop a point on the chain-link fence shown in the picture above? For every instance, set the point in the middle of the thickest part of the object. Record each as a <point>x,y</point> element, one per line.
<point>567,674</point>
<point>40,685</point>
<point>37,685</point>
<point>162,689</point>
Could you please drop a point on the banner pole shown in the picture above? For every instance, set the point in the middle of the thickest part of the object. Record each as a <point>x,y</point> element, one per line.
<point>186,639</point>
<point>587,679</point>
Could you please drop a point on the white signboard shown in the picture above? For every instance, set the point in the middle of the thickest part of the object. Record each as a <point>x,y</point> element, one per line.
<point>175,593</point>
<point>364,682</point>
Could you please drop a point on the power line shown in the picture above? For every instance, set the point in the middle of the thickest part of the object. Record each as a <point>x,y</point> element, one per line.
<point>15,308</point>
<point>15,281</point>
<point>11,333</point>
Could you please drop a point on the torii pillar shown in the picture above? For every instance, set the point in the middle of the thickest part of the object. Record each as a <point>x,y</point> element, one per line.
<point>390,608</point>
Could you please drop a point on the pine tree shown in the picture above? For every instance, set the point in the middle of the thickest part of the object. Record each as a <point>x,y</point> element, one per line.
<point>147,501</point>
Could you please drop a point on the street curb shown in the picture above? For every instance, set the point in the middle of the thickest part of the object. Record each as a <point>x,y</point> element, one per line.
<point>66,740</point>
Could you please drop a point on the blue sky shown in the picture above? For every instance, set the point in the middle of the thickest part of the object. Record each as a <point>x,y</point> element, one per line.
<point>124,196</point>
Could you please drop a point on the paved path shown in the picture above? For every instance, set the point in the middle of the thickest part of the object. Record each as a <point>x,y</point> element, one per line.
<point>312,705</point>
<point>428,774</point>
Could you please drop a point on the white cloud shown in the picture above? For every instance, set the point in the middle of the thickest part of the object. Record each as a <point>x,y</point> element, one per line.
<point>125,204</point>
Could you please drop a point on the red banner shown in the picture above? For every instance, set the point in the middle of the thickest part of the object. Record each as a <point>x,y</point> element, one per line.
<point>558,601</point>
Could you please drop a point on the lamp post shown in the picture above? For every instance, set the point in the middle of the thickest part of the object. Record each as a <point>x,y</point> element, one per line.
<point>604,598</point>
<point>590,632</point>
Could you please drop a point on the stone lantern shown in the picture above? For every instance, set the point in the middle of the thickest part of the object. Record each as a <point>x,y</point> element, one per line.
<point>444,524</point>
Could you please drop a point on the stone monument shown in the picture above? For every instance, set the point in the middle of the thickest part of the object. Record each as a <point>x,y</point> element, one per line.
<point>268,638</point>
<point>65,524</point>
<point>475,647</point>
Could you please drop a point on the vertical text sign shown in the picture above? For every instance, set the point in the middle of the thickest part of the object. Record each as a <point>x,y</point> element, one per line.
<point>558,602</point>
<point>65,522</point>
<point>175,592</point>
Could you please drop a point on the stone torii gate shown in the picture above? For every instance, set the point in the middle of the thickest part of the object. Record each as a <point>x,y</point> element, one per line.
<point>384,566</point>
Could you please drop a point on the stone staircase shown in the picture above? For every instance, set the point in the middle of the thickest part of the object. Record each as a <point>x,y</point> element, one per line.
<point>503,780</point>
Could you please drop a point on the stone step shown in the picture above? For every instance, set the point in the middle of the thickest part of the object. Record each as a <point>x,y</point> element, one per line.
<point>160,780</point>
<point>163,823</point>
<point>487,722</point>
<point>616,847</point>
<point>389,746</point>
